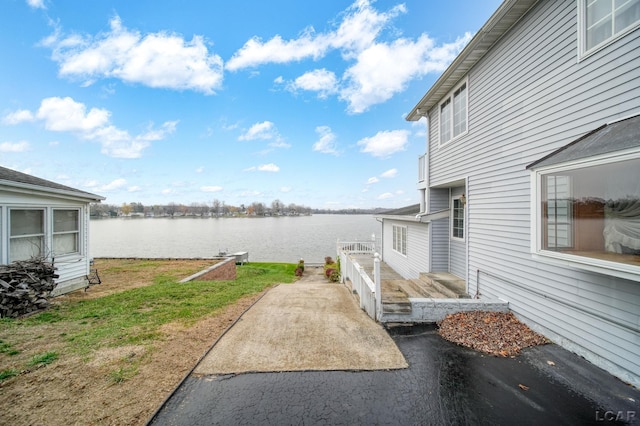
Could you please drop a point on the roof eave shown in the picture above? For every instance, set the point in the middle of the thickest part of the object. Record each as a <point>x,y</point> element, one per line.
<point>24,187</point>
<point>503,19</point>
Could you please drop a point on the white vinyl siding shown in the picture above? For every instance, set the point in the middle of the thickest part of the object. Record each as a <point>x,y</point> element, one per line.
<point>530,97</point>
<point>417,258</point>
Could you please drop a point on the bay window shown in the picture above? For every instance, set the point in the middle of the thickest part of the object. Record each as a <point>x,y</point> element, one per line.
<point>591,211</point>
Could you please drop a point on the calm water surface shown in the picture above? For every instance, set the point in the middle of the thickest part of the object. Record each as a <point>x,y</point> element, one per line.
<point>269,239</point>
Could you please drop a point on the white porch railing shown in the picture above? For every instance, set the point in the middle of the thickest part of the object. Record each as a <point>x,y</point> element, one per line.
<point>367,288</point>
<point>357,247</point>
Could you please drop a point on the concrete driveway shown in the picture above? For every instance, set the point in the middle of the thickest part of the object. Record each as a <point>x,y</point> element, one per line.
<point>444,384</point>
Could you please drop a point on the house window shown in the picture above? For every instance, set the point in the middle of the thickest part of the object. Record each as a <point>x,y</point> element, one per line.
<point>591,211</point>
<point>558,212</point>
<point>400,239</point>
<point>602,21</point>
<point>66,231</point>
<point>26,234</point>
<point>457,224</point>
<point>453,114</point>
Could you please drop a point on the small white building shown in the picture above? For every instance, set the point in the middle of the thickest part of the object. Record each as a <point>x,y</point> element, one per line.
<point>43,218</point>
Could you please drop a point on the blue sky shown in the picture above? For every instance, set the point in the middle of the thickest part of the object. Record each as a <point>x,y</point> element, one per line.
<point>160,101</point>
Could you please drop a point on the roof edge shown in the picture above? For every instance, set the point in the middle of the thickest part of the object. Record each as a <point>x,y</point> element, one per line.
<point>488,33</point>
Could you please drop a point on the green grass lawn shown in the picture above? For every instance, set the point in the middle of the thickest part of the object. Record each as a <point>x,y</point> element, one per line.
<point>133,316</point>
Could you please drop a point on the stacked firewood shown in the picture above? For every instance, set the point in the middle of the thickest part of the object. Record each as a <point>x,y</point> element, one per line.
<point>25,286</point>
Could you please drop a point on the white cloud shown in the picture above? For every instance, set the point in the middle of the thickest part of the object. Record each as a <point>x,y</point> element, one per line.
<point>385,196</point>
<point>36,4</point>
<point>378,70</point>
<point>385,143</point>
<point>372,180</point>
<point>360,25</point>
<point>68,115</point>
<point>159,60</point>
<point>19,116</point>
<point>200,169</point>
<point>327,142</point>
<point>21,146</point>
<point>114,185</point>
<point>268,168</point>
<point>391,173</point>
<point>213,188</point>
<point>250,193</point>
<point>384,69</point>
<point>265,130</point>
<point>134,188</point>
<point>264,168</point>
<point>285,189</point>
<point>321,81</point>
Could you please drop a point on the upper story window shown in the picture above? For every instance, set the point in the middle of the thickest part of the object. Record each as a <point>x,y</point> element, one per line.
<point>454,114</point>
<point>602,21</point>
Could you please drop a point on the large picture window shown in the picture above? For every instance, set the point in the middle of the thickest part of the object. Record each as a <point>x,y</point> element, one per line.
<point>66,231</point>
<point>453,114</point>
<point>592,211</point>
<point>400,239</point>
<point>604,20</point>
<point>26,234</point>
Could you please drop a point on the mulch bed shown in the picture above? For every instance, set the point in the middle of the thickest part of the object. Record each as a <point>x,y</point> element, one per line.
<point>495,333</point>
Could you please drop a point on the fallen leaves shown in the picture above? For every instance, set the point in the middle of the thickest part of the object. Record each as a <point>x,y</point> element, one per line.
<point>495,333</point>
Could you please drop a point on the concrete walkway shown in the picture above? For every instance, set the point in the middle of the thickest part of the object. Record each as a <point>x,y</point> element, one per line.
<point>310,325</point>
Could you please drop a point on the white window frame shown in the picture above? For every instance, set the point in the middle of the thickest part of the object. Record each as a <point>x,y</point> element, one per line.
<point>42,235</point>
<point>77,232</point>
<point>400,236</point>
<point>452,228</point>
<point>605,267</point>
<point>583,50</point>
<point>451,119</point>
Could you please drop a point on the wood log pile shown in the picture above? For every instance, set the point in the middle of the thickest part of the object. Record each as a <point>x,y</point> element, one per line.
<point>25,286</point>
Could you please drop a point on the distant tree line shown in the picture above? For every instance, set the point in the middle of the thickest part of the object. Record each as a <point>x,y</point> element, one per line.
<point>216,208</point>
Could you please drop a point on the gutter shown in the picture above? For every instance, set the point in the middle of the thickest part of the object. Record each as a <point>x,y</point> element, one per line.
<point>427,217</point>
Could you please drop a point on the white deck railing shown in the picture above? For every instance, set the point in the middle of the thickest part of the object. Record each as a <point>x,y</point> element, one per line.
<point>366,287</point>
<point>357,247</point>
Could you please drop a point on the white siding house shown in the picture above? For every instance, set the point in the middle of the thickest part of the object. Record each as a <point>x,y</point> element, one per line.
<point>39,218</point>
<point>534,150</point>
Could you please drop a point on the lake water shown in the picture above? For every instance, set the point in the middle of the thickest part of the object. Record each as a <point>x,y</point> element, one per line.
<point>269,239</point>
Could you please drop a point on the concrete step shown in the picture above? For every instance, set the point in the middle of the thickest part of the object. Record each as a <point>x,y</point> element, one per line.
<point>428,290</point>
<point>394,299</point>
<point>396,308</point>
<point>447,284</point>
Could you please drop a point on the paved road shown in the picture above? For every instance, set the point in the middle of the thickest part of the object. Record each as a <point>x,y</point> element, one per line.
<point>444,385</point>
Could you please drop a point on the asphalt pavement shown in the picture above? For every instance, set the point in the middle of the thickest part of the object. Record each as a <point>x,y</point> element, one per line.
<point>445,384</point>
